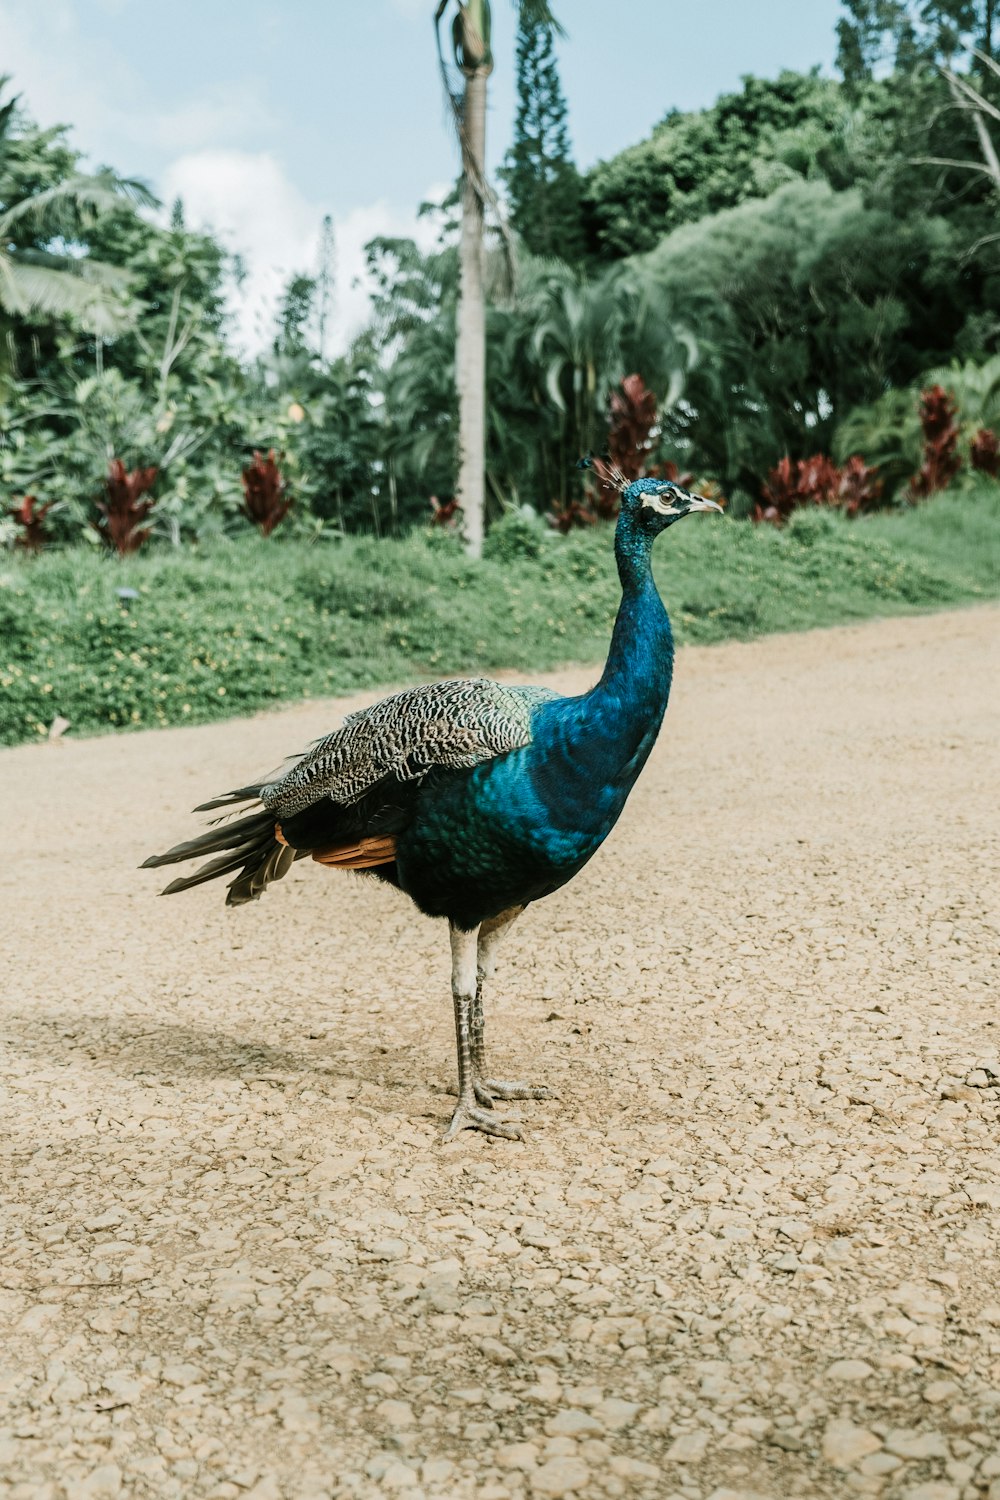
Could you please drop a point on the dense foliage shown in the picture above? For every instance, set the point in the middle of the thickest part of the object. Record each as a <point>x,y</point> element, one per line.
<point>182,635</point>
<point>786,272</point>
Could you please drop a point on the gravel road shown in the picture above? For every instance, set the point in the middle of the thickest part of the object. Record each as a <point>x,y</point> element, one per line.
<point>750,1251</point>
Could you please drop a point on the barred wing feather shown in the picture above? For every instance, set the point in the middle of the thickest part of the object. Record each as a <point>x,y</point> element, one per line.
<point>454,724</point>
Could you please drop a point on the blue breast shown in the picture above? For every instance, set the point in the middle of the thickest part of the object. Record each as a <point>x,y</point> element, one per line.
<point>518,827</point>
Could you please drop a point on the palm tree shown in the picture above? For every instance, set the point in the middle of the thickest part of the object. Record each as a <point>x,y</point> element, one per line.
<point>39,215</point>
<point>470,31</point>
<point>587,334</point>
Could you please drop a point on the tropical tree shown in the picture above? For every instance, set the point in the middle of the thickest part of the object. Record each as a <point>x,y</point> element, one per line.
<point>907,31</point>
<point>46,208</point>
<point>473,56</point>
<point>542,181</point>
<point>586,335</point>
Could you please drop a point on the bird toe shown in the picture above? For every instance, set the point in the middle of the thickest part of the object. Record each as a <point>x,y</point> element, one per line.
<point>499,1088</point>
<point>471,1117</point>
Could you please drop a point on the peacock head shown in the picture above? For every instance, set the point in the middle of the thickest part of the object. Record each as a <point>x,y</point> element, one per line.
<point>657,503</point>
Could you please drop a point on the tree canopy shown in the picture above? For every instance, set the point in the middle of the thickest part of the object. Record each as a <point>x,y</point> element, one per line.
<point>784,269</point>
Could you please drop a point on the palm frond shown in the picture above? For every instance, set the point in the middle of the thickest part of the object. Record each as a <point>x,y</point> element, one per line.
<point>100,194</point>
<point>26,288</point>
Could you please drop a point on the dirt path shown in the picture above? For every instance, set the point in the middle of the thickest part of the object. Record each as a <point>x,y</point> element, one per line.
<point>752,1248</point>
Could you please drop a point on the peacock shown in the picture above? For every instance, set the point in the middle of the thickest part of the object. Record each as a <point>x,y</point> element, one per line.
<point>474,797</point>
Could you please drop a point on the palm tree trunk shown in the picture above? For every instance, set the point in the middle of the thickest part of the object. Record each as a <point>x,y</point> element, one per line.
<point>470,356</point>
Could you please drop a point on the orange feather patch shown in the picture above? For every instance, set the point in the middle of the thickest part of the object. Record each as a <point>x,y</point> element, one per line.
<point>364,855</point>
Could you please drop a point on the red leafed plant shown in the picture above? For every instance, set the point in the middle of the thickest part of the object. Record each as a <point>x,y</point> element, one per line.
<point>445,512</point>
<point>984,452</point>
<point>123,509</point>
<point>796,482</point>
<point>817,481</point>
<point>30,517</point>
<point>632,421</point>
<point>939,423</point>
<point>571,515</point>
<point>858,487</point>
<point>265,499</point>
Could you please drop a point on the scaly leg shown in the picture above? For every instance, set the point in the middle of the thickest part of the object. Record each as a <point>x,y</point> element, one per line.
<point>469,1114</point>
<point>488,1089</point>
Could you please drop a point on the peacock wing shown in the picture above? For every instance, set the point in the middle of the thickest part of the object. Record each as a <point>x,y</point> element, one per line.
<point>455,724</point>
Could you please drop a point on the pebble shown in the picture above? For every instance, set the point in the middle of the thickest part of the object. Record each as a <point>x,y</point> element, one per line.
<point>560,1476</point>
<point>105,1480</point>
<point>845,1444</point>
<point>689,1448</point>
<point>849,1369</point>
<point>915,1445</point>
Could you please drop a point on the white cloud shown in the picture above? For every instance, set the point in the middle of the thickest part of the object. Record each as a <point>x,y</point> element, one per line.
<point>207,140</point>
<point>67,77</point>
<point>248,201</point>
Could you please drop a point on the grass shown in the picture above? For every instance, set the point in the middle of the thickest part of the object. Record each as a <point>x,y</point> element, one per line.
<point>247,623</point>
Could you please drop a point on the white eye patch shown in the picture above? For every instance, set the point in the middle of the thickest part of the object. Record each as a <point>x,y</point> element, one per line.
<point>660,504</point>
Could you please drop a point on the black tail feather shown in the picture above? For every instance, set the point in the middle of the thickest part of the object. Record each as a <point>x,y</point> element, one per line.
<point>230,799</point>
<point>226,864</point>
<point>246,847</point>
<point>221,836</point>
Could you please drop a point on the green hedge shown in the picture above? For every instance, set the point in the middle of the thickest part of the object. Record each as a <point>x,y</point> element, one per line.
<point>232,628</point>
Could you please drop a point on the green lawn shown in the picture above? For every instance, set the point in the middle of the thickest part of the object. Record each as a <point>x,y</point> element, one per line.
<point>247,623</point>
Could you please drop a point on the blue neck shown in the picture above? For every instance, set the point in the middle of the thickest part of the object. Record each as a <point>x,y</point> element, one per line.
<point>588,751</point>
<point>640,661</point>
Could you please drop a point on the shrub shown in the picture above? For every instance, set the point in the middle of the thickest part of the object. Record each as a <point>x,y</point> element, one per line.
<point>575,513</point>
<point>364,613</point>
<point>859,488</point>
<point>632,413</point>
<point>519,534</point>
<point>793,483</point>
<point>632,433</point>
<point>939,424</point>
<point>29,516</point>
<point>984,452</point>
<point>265,500</point>
<point>123,509</point>
<point>445,512</point>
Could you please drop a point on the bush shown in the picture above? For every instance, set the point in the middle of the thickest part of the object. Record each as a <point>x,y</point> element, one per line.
<point>236,626</point>
<point>520,533</point>
<point>817,481</point>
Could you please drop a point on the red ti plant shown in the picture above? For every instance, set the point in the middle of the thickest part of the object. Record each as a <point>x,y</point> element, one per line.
<point>984,452</point>
<point>265,500</point>
<point>817,481</point>
<point>632,413</point>
<point>938,420</point>
<point>669,470</point>
<point>30,517</point>
<point>123,509</point>
<point>574,513</point>
<point>445,512</point>
<point>858,488</point>
<point>796,482</point>
<point>633,418</point>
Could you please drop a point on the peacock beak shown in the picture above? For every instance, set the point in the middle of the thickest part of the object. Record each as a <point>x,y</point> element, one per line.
<point>698,502</point>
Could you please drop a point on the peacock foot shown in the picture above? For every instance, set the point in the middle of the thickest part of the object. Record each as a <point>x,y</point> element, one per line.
<point>470,1117</point>
<point>499,1088</point>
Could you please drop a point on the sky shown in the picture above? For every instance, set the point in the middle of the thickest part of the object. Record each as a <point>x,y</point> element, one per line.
<point>264,116</point>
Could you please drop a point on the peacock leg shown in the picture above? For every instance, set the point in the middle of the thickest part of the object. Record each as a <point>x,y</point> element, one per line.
<point>488,1089</point>
<point>469,1113</point>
